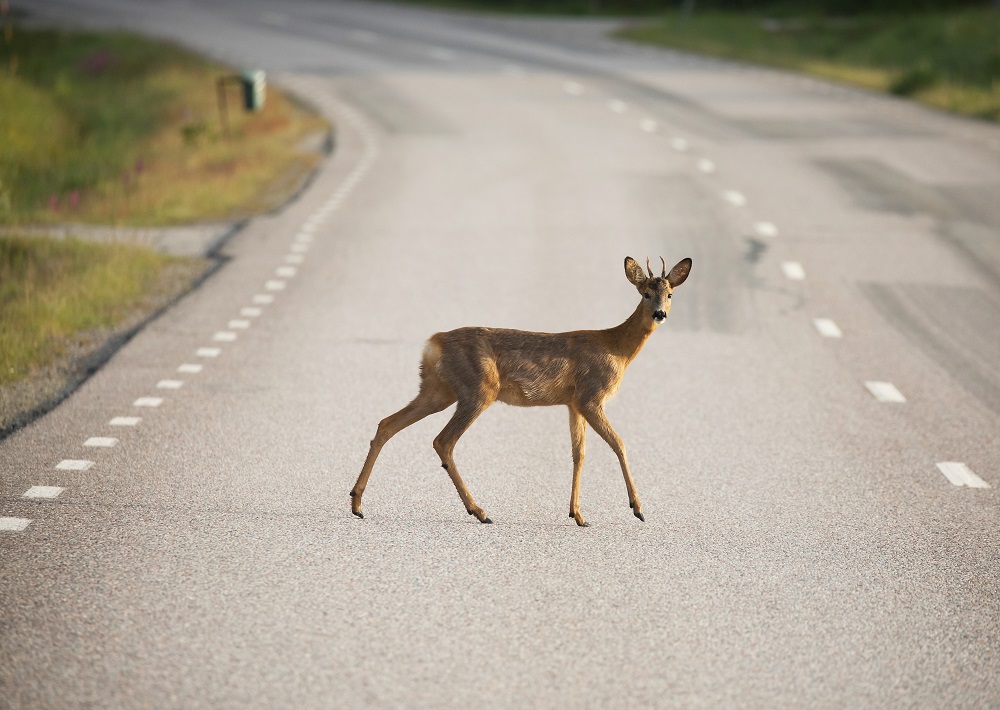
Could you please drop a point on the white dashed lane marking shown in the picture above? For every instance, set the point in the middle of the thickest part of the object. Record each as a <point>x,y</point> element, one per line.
<point>250,312</point>
<point>224,336</point>
<point>961,475</point>
<point>734,197</point>
<point>148,402</point>
<point>286,271</point>
<point>765,229</point>
<point>263,299</point>
<point>617,106</point>
<point>207,352</point>
<point>573,89</point>
<point>679,144</point>
<point>706,166</point>
<point>294,258</point>
<point>13,524</point>
<point>827,328</point>
<point>793,270</point>
<point>275,285</point>
<point>101,442</point>
<point>299,247</point>
<point>74,465</point>
<point>169,384</point>
<point>190,368</point>
<point>125,421</point>
<point>43,492</point>
<point>303,237</point>
<point>885,392</point>
<point>239,324</point>
<point>649,125</point>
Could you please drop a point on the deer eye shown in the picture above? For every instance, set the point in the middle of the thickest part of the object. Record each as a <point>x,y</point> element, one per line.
<point>647,295</point>
<point>670,295</point>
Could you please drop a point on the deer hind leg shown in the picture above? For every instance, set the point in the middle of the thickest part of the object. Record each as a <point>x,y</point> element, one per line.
<point>596,418</point>
<point>429,401</point>
<point>578,435</point>
<point>465,414</point>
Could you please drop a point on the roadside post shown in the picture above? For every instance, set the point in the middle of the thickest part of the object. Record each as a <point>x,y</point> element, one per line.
<point>253,85</point>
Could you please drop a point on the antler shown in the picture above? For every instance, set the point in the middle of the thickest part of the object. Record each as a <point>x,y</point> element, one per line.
<point>664,267</point>
<point>649,269</point>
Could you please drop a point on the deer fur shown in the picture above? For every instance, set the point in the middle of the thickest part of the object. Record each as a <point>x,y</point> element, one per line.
<point>580,369</point>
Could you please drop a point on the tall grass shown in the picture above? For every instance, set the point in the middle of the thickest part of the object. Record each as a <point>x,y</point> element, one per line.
<point>56,296</point>
<point>115,128</point>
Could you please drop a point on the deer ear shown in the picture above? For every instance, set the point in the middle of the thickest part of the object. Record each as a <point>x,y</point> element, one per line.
<point>634,272</point>
<point>679,273</point>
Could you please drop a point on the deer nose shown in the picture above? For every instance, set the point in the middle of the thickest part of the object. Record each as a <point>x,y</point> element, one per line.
<point>659,316</point>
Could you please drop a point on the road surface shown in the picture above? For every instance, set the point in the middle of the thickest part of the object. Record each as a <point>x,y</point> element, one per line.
<point>813,433</point>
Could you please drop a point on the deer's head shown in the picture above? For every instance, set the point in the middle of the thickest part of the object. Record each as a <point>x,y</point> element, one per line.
<point>656,290</point>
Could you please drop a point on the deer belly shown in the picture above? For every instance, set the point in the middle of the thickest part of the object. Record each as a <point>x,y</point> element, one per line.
<point>533,392</point>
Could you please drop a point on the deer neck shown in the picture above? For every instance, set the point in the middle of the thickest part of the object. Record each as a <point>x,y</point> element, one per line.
<point>627,339</point>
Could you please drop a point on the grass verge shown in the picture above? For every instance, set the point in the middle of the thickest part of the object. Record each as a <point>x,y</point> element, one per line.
<point>950,60</point>
<point>63,302</point>
<point>113,128</point>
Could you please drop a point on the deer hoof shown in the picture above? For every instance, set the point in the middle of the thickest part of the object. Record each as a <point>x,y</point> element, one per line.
<point>640,516</point>
<point>486,521</point>
<point>359,514</point>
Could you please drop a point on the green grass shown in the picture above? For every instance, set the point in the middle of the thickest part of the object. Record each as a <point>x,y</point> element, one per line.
<point>118,129</point>
<point>58,298</point>
<point>947,59</point>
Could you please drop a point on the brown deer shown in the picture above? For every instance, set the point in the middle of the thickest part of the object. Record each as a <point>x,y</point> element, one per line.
<point>580,369</point>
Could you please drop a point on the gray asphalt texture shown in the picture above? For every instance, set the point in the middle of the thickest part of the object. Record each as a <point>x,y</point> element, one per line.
<point>801,548</point>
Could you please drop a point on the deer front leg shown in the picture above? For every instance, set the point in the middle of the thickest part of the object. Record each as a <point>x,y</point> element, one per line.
<point>444,444</point>
<point>596,418</point>
<point>578,435</point>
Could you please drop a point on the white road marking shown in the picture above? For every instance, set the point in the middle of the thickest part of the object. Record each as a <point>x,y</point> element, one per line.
<point>274,285</point>
<point>885,392</point>
<point>190,368</point>
<point>238,324</point>
<point>169,384</point>
<point>441,54</point>
<point>303,237</point>
<point>286,272</point>
<point>306,229</point>
<point>14,524</point>
<point>299,248</point>
<point>617,106</point>
<point>101,441</point>
<point>263,299</point>
<point>765,229</point>
<point>961,475</point>
<point>679,144</point>
<point>706,166</point>
<point>74,465</point>
<point>793,270</point>
<point>734,198</point>
<point>125,421</point>
<point>827,328</point>
<point>148,402</point>
<point>224,336</point>
<point>43,492</point>
<point>208,352</point>
<point>250,312</point>
<point>294,258</point>
<point>573,89</point>
<point>649,125</point>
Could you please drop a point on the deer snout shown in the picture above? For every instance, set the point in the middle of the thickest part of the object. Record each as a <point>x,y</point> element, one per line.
<point>659,316</point>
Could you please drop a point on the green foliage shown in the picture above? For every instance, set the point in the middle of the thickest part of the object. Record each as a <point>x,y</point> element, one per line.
<point>53,292</point>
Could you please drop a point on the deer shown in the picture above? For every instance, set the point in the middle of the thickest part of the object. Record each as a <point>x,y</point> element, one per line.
<point>581,369</point>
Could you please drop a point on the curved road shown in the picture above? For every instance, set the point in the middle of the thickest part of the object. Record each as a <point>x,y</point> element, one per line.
<point>807,544</point>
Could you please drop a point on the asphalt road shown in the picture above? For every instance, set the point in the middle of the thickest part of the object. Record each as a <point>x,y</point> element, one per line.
<point>802,547</point>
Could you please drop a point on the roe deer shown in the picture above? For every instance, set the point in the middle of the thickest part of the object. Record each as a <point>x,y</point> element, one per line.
<point>581,369</point>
